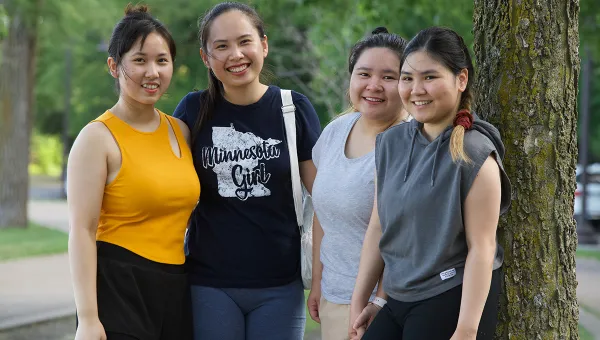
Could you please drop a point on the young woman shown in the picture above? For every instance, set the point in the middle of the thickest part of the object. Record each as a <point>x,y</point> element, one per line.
<point>131,189</point>
<point>440,191</point>
<point>344,189</point>
<point>244,241</point>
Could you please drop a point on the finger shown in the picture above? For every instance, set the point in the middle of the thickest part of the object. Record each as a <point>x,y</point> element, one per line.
<point>360,332</point>
<point>314,314</point>
<point>360,321</point>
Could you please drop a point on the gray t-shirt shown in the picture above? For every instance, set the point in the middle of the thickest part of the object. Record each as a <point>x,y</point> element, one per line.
<point>420,197</point>
<point>342,194</point>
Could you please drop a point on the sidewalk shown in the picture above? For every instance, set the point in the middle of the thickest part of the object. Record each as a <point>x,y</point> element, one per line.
<point>588,294</point>
<point>39,289</point>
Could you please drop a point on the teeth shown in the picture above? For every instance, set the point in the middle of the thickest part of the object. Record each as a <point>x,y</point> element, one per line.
<point>373,99</point>
<point>148,86</point>
<point>422,103</point>
<point>237,69</point>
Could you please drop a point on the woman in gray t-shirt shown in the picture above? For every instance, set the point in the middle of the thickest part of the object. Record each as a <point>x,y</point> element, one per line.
<point>344,189</point>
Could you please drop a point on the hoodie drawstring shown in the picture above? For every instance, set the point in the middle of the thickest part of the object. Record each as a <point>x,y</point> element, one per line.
<point>412,146</point>
<point>437,149</point>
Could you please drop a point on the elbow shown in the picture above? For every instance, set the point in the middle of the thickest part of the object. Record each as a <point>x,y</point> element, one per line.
<point>484,251</point>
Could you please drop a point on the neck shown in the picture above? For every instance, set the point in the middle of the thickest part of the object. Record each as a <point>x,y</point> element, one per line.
<point>373,127</point>
<point>133,112</point>
<point>245,95</point>
<point>432,130</point>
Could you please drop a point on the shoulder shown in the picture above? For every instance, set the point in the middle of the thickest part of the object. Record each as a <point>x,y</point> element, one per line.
<point>188,106</point>
<point>397,132</point>
<point>300,100</point>
<point>339,124</point>
<point>93,138</point>
<point>192,100</point>
<point>478,146</point>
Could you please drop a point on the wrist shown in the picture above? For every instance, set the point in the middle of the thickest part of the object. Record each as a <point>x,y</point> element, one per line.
<point>87,317</point>
<point>466,330</point>
<point>379,302</point>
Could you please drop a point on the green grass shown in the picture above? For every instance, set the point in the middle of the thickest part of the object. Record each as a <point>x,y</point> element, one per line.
<point>584,334</point>
<point>311,325</point>
<point>590,310</point>
<point>31,241</point>
<point>590,254</point>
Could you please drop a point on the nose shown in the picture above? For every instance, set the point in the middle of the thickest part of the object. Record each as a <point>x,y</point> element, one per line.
<point>236,53</point>
<point>152,70</point>
<point>374,84</point>
<point>417,88</point>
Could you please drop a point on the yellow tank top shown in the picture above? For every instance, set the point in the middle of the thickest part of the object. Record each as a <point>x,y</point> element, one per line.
<point>145,209</point>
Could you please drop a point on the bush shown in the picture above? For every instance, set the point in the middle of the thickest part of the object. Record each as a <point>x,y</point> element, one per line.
<point>46,155</point>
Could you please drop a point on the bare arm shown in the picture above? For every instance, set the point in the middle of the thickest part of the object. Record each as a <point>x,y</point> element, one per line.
<point>481,213</point>
<point>371,264</point>
<point>87,173</point>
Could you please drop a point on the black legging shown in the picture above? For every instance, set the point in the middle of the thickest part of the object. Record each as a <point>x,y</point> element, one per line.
<point>433,319</point>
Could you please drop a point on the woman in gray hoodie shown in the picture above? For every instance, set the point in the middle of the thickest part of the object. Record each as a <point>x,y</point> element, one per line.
<point>441,188</point>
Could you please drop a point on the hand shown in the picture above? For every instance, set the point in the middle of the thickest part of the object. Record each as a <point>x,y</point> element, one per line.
<point>365,318</point>
<point>313,302</point>
<point>356,309</point>
<point>363,321</point>
<point>90,329</point>
<point>463,334</point>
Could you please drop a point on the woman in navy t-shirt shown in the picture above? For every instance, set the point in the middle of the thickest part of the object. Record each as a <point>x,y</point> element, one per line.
<point>244,242</point>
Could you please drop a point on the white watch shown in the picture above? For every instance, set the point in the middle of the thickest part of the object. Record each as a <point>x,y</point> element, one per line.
<point>379,302</point>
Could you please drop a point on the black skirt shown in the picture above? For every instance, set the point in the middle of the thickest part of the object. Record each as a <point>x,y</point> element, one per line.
<point>141,298</point>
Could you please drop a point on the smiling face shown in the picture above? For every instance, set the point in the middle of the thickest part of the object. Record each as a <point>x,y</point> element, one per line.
<point>145,72</point>
<point>430,92</point>
<point>234,50</point>
<point>373,83</point>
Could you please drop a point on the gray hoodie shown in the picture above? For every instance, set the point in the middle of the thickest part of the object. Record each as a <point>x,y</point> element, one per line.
<point>420,197</point>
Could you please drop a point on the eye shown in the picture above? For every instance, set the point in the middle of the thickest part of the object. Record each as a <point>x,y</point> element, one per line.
<point>138,60</point>
<point>429,77</point>
<point>220,47</point>
<point>389,78</point>
<point>163,60</point>
<point>245,41</point>
<point>406,78</point>
<point>363,74</point>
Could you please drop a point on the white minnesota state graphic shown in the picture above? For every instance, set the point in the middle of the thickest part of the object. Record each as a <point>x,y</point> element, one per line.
<point>236,157</point>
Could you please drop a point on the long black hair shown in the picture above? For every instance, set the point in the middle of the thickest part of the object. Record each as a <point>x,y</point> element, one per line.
<point>214,92</point>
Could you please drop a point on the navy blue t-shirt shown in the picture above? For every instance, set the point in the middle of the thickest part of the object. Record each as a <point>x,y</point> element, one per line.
<point>243,233</point>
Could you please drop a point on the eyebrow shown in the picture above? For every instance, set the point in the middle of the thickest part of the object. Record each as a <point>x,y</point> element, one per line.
<point>144,54</point>
<point>387,70</point>
<point>424,72</point>
<point>225,40</point>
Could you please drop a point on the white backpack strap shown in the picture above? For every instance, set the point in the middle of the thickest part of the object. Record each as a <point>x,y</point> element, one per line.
<point>289,118</point>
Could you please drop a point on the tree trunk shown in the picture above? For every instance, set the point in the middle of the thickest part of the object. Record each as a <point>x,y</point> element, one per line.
<point>17,70</point>
<point>527,56</point>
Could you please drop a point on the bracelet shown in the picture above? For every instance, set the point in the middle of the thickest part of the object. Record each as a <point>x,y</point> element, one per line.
<point>380,302</point>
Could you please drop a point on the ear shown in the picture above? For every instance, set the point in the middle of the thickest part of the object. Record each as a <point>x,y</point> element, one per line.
<point>463,79</point>
<point>204,57</point>
<point>265,46</point>
<point>112,67</point>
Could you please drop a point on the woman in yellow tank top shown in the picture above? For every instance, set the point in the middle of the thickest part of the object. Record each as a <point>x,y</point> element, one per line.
<point>132,187</point>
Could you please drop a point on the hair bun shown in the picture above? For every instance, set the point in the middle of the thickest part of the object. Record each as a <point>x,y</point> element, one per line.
<point>379,30</point>
<point>134,9</point>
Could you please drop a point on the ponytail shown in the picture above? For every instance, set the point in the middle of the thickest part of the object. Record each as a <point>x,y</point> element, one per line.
<point>462,122</point>
<point>208,101</point>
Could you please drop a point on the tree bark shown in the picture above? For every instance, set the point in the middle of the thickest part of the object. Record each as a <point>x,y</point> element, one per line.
<point>17,70</point>
<point>527,56</point>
